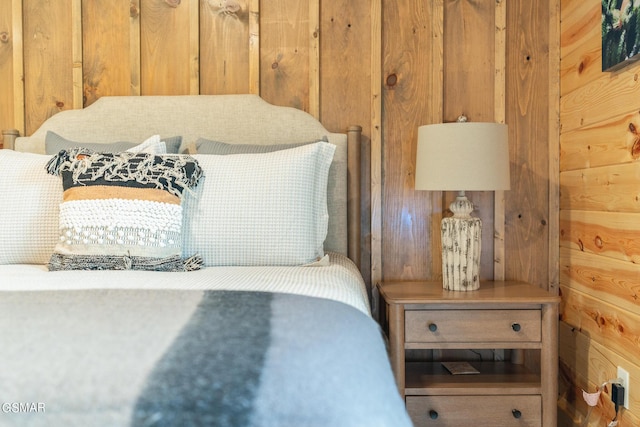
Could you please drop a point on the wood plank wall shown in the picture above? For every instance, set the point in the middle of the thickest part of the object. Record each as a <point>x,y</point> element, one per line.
<point>469,66</point>
<point>388,65</point>
<point>599,217</point>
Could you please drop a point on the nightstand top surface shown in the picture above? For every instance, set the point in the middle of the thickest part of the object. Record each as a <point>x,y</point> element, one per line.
<point>426,292</point>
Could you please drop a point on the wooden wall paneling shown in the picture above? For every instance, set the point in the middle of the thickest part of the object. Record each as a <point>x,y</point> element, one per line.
<point>612,234</point>
<point>469,53</point>
<point>436,113</point>
<point>225,47</point>
<point>18,66</point>
<point>346,57</point>
<point>553,173</point>
<point>528,82</point>
<point>345,29</point>
<point>194,48</point>
<point>609,142</point>
<point>580,18</point>
<point>585,365</point>
<point>135,55</point>
<point>284,53</point>
<point>254,46</point>
<point>166,53</point>
<point>469,89</point>
<point>48,60</point>
<point>606,188</point>
<point>6,68</point>
<point>106,44</point>
<point>376,149</point>
<point>604,323</point>
<point>499,113</point>
<point>600,100</point>
<point>436,74</point>
<point>599,274</point>
<point>606,279</point>
<point>583,63</point>
<point>553,149</point>
<point>76,52</point>
<point>407,214</point>
<point>314,58</point>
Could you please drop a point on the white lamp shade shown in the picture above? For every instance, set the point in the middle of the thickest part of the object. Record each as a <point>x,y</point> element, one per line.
<point>468,156</point>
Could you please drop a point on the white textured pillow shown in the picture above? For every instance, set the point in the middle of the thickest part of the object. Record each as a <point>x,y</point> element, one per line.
<point>29,208</point>
<point>30,204</point>
<point>260,209</point>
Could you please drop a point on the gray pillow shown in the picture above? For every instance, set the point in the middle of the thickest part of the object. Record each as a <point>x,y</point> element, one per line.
<point>54,143</point>
<point>207,146</point>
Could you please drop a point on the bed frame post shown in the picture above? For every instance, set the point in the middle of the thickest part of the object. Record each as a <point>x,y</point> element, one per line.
<point>9,138</point>
<point>354,135</point>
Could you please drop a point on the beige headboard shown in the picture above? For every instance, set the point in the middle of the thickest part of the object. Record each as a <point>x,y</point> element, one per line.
<point>227,118</point>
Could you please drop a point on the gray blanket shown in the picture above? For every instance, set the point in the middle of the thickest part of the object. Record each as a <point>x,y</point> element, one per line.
<point>191,358</point>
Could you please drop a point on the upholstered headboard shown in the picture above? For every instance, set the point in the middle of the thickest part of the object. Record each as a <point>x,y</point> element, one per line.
<point>244,119</point>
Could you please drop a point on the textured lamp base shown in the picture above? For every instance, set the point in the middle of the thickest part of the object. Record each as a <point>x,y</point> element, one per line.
<point>461,246</point>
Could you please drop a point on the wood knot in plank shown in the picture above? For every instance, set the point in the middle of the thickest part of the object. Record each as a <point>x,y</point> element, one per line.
<point>392,80</point>
<point>225,7</point>
<point>4,37</point>
<point>598,242</point>
<point>635,148</point>
<point>60,104</point>
<point>134,12</point>
<point>173,3</point>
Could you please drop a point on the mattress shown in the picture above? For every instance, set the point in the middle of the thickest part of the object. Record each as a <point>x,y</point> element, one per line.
<point>338,281</point>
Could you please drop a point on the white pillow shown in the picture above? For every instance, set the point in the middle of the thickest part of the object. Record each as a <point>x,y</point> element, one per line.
<point>29,208</point>
<point>260,209</point>
<point>30,204</point>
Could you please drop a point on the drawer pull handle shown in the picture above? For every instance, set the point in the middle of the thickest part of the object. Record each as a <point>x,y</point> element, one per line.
<point>433,327</point>
<point>516,413</point>
<point>516,327</point>
<point>433,414</point>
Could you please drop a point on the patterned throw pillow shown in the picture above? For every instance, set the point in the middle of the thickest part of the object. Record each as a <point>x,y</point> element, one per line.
<point>122,210</point>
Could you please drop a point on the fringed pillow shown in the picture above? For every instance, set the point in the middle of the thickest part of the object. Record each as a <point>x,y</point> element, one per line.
<point>122,210</point>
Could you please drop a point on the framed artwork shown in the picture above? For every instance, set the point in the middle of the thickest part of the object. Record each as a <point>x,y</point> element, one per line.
<point>620,33</point>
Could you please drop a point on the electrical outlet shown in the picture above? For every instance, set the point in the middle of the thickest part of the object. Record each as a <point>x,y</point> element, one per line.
<point>623,376</point>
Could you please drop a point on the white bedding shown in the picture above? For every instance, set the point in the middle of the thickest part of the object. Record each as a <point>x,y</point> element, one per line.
<point>339,281</point>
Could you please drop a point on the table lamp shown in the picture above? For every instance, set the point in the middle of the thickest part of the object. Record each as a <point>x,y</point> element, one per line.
<point>462,156</point>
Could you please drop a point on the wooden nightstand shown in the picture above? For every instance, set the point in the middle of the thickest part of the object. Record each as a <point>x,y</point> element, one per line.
<point>500,315</point>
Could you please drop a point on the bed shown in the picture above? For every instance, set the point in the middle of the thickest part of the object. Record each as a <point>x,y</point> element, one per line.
<point>226,292</point>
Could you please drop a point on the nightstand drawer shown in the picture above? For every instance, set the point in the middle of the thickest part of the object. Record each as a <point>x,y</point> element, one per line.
<point>478,411</point>
<point>448,326</point>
